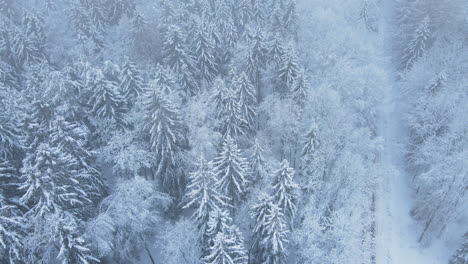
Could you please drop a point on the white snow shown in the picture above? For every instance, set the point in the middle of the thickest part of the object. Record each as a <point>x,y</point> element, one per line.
<point>396,231</point>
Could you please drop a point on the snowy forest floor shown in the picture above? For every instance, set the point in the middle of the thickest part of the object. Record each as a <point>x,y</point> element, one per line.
<point>396,232</point>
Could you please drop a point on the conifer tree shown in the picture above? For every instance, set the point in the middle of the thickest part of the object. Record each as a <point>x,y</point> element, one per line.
<point>203,195</point>
<point>163,81</point>
<point>105,101</point>
<point>52,183</point>
<point>285,191</point>
<point>288,70</point>
<point>168,140</point>
<point>299,88</point>
<point>232,171</point>
<point>257,163</point>
<point>73,247</point>
<point>275,237</point>
<point>11,223</point>
<point>259,212</point>
<point>175,51</point>
<point>311,142</point>
<point>418,45</point>
<point>276,49</point>
<point>219,222</point>
<point>233,123</point>
<point>205,56</point>
<point>247,101</point>
<point>188,83</point>
<point>290,18</point>
<point>131,82</point>
<point>225,250</point>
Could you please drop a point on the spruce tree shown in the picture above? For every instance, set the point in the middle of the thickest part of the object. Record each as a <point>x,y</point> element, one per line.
<point>168,140</point>
<point>247,101</point>
<point>205,56</point>
<point>203,195</point>
<point>275,237</point>
<point>257,162</point>
<point>259,212</point>
<point>300,88</point>
<point>286,191</point>
<point>175,51</point>
<point>276,49</point>
<point>288,70</point>
<point>73,247</point>
<point>105,100</point>
<point>418,45</point>
<point>131,82</point>
<point>11,224</point>
<point>225,250</point>
<point>232,171</point>
<point>188,83</point>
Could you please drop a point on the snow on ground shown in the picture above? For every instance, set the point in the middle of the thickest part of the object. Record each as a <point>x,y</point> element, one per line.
<point>396,231</point>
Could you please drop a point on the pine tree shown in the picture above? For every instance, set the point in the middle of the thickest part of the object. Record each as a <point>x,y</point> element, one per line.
<point>202,194</point>
<point>188,83</point>
<point>219,222</point>
<point>11,224</point>
<point>168,140</point>
<point>163,81</point>
<point>290,18</point>
<point>461,255</point>
<point>73,247</point>
<point>233,123</point>
<point>276,49</point>
<point>418,44</point>
<point>9,136</point>
<point>175,52</point>
<point>259,212</point>
<point>275,237</point>
<point>288,70</point>
<point>257,162</point>
<point>51,183</point>
<point>257,53</point>
<point>232,171</point>
<point>311,142</point>
<point>299,88</point>
<point>243,13</point>
<point>105,101</point>
<point>225,250</point>
<point>131,82</point>
<point>247,101</point>
<point>72,139</point>
<point>205,56</point>
<point>285,191</point>
<point>220,93</point>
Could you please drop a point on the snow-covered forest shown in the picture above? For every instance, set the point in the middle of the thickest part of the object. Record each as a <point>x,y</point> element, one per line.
<point>234,131</point>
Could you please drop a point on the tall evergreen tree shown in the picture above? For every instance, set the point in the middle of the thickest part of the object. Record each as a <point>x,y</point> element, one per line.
<point>131,81</point>
<point>275,237</point>
<point>105,100</point>
<point>205,56</point>
<point>203,195</point>
<point>419,43</point>
<point>288,70</point>
<point>73,247</point>
<point>299,88</point>
<point>259,213</point>
<point>247,101</point>
<point>232,171</point>
<point>225,250</point>
<point>257,162</point>
<point>168,140</point>
<point>286,191</point>
<point>175,50</point>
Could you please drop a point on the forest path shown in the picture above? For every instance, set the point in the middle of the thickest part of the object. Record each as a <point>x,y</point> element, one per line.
<point>396,231</point>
